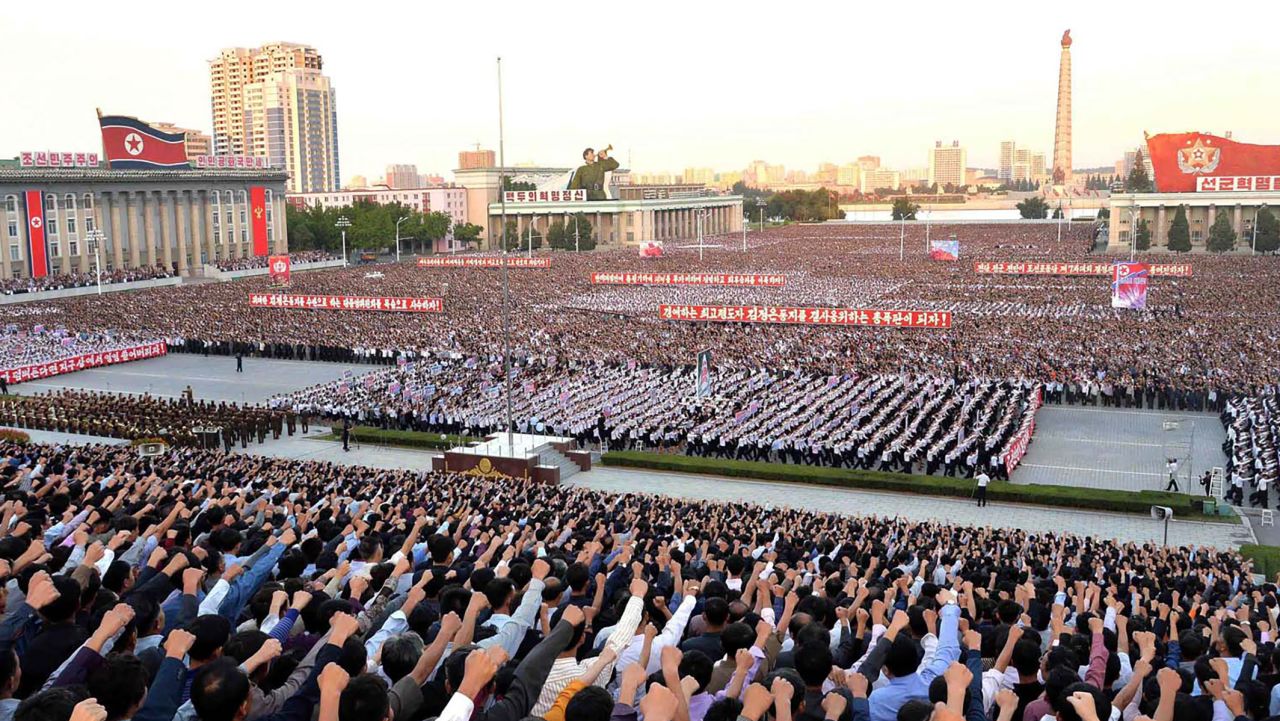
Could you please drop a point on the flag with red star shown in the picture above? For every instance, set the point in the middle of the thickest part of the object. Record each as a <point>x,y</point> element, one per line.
<point>130,144</point>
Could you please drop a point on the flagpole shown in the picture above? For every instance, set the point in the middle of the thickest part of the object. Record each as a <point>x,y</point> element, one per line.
<point>105,159</point>
<point>506,288</point>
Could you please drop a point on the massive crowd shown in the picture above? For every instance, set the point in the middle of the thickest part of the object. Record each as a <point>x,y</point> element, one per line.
<point>1202,341</point>
<point>228,587</point>
<point>58,281</point>
<point>260,261</point>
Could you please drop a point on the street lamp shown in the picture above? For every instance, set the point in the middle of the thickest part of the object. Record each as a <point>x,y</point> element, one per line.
<point>1133,230</point>
<point>398,222</point>
<point>902,236</point>
<point>344,223</point>
<point>760,204</point>
<point>1255,228</point>
<point>96,237</point>
<point>576,249</point>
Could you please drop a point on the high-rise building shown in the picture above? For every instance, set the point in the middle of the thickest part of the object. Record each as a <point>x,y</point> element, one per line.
<point>848,174</point>
<point>1062,126</point>
<point>1007,150</point>
<point>879,178</point>
<point>430,180</point>
<point>274,102</point>
<point>947,164</point>
<point>777,174</point>
<point>827,173</point>
<point>698,175</point>
<point>402,176</point>
<point>197,142</point>
<point>869,162</point>
<point>473,159</point>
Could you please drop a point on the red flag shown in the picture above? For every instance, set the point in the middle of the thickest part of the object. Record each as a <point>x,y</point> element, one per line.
<point>258,206</point>
<point>37,260</point>
<point>1179,159</point>
<point>131,144</point>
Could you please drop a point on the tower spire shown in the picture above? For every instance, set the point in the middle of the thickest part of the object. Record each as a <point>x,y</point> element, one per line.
<point>1062,126</point>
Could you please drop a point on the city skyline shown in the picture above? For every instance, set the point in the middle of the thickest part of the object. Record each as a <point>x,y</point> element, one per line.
<point>796,92</point>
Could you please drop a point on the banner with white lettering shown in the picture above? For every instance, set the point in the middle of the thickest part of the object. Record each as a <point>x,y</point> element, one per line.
<point>1168,270</point>
<point>806,316</point>
<point>81,362</point>
<point>483,262</point>
<point>346,302</point>
<point>737,279</point>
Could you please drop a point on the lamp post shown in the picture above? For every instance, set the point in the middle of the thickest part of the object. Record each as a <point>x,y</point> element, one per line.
<point>1133,231</point>
<point>96,237</point>
<point>344,223</point>
<point>576,249</point>
<point>760,204</point>
<point>902,237</point>
<point>506,272</point>
<point>1255,229</point>
<point>744,234</point>
<point>928,221</point>
<point>398,222</point>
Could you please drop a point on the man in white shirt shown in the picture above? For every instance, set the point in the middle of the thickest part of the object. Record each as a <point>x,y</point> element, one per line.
<point>981,491</point>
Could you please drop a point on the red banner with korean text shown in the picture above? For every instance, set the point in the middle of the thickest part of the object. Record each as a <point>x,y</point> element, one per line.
<point>83,361</point>
<point>806,316</point>
<point>1168,270</point>
<point>346,302</point>
<point>258,209</point>
<point>737,279</point>
<point>483,262</point>
<point>278,268</point>
<point>1180,160</point>
<point>1018,446</point>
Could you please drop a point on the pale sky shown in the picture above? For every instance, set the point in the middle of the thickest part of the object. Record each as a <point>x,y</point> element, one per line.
<point>669,84</point>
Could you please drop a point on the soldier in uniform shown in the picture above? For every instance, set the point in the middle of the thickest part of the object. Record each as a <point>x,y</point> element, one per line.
<point>590,175</point>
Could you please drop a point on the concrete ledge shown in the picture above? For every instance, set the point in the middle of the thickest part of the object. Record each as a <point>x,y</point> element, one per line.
<point>88,290</point>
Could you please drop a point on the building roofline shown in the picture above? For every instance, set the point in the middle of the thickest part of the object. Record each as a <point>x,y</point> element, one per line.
<point>103,174</point>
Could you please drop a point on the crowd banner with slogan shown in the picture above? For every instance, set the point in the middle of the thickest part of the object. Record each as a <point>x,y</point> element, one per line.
<point>258,211</point>
<point>1156,270</point>
<point>651,249</point>
<point>702,381</point>
<point>346,302</point>
<point>945,250</point>
<point>37,249</point>
<point>278,267</point>
<point>130,144</point>
<point>81,362</point>
<point>769,280</point>
<point>806,316</point>
<point>1129,286</point>
<point>1200,162</point>
<point>1018,446</point>
<point>484,262</point>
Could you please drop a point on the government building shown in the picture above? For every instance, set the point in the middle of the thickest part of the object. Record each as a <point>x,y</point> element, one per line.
<point>177,219</point>
<point>633,214</point>
<point>1206,175</point>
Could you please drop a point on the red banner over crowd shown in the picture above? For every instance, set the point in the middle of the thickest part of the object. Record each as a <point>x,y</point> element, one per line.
<point>740,279</point>
<point>806,316</point>
<point>81,362</point>
<point>1168,270</point>
<point>346,302</point>
<point>484,262</point>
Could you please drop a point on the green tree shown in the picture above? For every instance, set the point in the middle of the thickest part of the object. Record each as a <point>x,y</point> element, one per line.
<point>904,209</point>
<point>1180,232</point>
<point>1057,212</point>
<point>509,184</point>
<point>467,233</point>
<point>1034,208</point>
<point>1138,181</point>
<point>1268,237</point>
<point>580,225</point>
<point>1104,214</point>
<point>511,236</point>
<point>1143,237</point>
<point>1222,236</point>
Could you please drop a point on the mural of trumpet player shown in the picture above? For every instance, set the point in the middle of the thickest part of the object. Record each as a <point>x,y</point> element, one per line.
<point>590,175</point>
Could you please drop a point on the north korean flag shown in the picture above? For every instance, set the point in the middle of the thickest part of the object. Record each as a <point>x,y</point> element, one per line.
<point>131,144</point>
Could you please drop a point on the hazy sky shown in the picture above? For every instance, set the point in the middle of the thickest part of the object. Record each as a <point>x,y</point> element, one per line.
<point>670,84</point>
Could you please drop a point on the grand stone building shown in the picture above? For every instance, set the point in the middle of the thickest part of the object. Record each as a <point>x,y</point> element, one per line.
<point>178,219</point>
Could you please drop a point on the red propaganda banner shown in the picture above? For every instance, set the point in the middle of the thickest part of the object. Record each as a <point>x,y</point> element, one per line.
<point>806,316</point>
<point>1180,160</point>
<point>81,362</point>
<point>738,279</point>
<point>483,262</point>
<point>258,208</point>
<point>1168,270</point>
<point>37,256</point>
<point>278,268</point>
<point>346,302</point>
<point>651,249</point>
<point>1018,447</point>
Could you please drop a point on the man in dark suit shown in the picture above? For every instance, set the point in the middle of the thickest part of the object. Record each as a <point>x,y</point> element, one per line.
<point>716,614</point>
<point>346,434</point>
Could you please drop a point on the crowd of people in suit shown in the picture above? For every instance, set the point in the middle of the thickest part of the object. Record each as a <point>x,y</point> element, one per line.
<point>58,281</point>
<point>201,585</point>
<point>260,261</point>
<point>1253,461</point>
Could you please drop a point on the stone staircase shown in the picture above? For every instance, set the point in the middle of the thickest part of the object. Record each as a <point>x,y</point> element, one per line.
<point>549,456</point>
